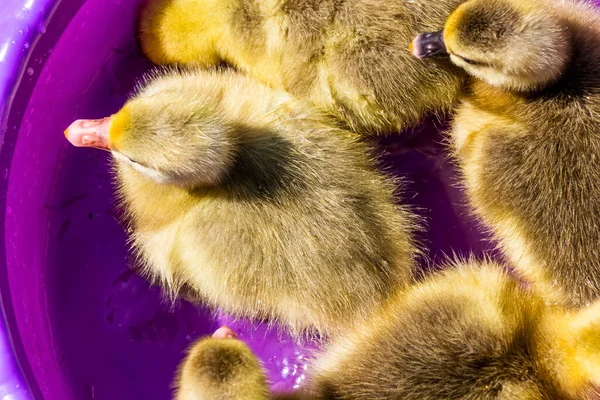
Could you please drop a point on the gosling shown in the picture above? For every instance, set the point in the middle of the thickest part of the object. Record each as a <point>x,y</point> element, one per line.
<point>253,201</point>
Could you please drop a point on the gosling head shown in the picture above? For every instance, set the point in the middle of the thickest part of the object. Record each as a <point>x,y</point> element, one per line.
<point>510,44</point>
<point>221,367</point>
<point>169,132</point>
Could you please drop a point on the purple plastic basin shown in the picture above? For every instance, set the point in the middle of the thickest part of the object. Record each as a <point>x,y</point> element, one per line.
<point>77,322</point>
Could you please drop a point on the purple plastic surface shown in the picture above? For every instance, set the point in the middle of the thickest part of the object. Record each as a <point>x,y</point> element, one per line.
<point>78,323</point>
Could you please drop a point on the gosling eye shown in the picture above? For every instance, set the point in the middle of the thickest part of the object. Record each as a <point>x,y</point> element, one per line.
<point>472,62</point>
<point>469,61</point>
<point>129,159</point>
<point>125,158</point>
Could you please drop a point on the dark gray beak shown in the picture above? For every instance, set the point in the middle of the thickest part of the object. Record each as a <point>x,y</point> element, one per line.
<point>429,45</point>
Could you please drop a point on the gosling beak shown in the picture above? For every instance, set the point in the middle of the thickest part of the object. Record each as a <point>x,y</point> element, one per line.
<point>89,133</point>
<point>429,45</point>
<point>224,332</point>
